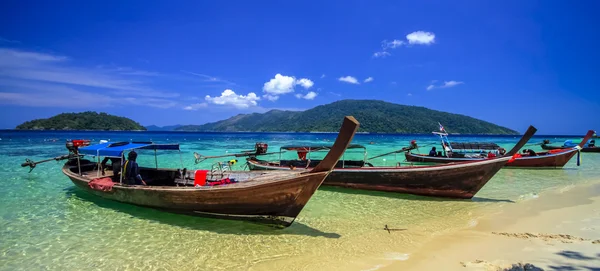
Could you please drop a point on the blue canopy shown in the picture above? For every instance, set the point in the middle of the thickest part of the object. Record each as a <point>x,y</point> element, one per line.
<point>118,148</point>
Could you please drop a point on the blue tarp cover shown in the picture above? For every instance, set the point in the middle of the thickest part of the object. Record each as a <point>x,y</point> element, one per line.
<point>118,148</point>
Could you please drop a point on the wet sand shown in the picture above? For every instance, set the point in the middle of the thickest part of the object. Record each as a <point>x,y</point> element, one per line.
<point>559,230</point>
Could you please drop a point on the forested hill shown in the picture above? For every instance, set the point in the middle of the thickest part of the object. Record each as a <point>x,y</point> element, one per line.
<point>83,121</point>
<point>373,115</point>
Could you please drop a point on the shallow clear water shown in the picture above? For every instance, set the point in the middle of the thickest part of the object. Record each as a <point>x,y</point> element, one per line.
<point>48,224</point>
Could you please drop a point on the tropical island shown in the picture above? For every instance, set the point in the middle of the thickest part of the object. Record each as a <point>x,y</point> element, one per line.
<point>83,121</point>
<point>374,116</point>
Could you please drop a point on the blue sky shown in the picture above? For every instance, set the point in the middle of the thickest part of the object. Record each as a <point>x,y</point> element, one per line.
<point>513,63</point>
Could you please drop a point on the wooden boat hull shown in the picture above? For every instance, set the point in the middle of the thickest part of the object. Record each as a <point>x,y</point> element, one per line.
<point>461,181</point>
<point>547,160</point>
<point>269,201</point>
<point>272,197</point>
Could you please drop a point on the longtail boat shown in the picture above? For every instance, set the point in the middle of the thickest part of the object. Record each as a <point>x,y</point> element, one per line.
<point>269,197</point>
<point>462,152</point>
<point>587,147</point>
<point>455,180</point>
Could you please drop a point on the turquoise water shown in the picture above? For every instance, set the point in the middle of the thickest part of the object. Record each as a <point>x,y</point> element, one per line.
<point>48,224</point>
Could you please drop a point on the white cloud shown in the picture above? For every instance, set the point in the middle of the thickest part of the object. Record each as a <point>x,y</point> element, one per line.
<point>447,84</point>
<point>195,106</point>
<point>271,98</point>
<point>381,54</point>
<point>56,99</point>
<point>40,67</point>
<point>322,76</point>
<point>305,83</point>
<point>391,44</point>
<point>420,37</point>
<point>39,94</point>
<point>282,84</point>
<point>228,97</point>
<point>309,96</point>
<point>409,94</point>
<point>6,55</point>
<point>349,79</point>
<point>369,79</point>
<point>30,78</point>
<point>417,37</point>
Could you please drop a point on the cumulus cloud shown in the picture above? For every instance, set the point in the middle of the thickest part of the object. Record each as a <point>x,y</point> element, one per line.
<point>349,79</point>
<point>420,37</point>
<point>369,79</point>
<point>447,84</point>
<point>309,96</point>
<point>282,84</point>
<point>229,97</point>
<point>305,83</point>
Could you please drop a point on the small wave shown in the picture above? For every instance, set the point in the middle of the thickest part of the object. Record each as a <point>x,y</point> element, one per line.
<point>529,196</point>
<point>375,267</point>
<point>396,256</point>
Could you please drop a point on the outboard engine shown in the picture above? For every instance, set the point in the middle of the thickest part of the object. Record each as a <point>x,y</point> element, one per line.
<point>413,144</point>
<point>261,148</point>
<point>73,145</point>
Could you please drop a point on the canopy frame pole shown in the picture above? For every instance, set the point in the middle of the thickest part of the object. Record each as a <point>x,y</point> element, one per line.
<point>343,160</point>
<point>79,165</point>
<point>98,171</point>
<point>122,169</point>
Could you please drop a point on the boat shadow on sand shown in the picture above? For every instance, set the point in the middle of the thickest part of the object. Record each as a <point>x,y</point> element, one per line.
<point>405,196</point>
<point>221,226</point>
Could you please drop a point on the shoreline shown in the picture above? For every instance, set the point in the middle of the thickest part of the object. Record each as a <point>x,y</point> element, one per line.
<point>558,229</point>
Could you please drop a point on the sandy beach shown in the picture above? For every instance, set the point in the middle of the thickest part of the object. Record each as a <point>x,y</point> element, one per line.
<point>558,230</point>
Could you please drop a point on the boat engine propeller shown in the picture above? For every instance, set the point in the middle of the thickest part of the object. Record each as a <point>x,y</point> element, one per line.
<point>71,145</point>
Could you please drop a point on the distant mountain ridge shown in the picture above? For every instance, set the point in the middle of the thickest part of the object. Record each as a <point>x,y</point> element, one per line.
<point>83,121</point>
<point>374,116</point>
